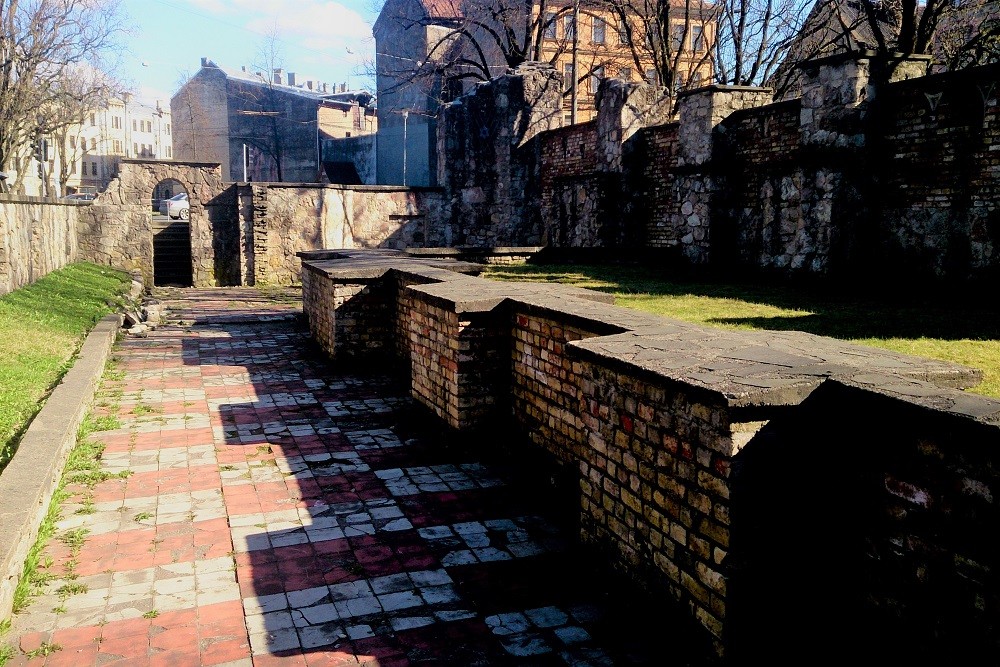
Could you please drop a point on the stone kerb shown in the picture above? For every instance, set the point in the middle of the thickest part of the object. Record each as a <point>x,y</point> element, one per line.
<point>648,414</point>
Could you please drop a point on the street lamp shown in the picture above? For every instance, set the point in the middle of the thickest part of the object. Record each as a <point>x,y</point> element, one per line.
<point>406,114</point>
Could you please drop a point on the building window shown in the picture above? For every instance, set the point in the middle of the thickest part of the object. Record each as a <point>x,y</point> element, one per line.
<point>169,153</point>
<point>623,37</point>
<point>135,148</point>
<point>550,26</point>
<point>72,142</point>
<point>625,73</point>
<point>116,122</point>
<point>93,145</point>
<point>168,128</point>
<point>598,30</point>
<point>93,120</point>
<point>569,27</point>
<point>595,78</point>
<point>677,37</point>
<point>697,38</point>
<point>135,125</point>
<point>567,77</point>
<point>118,147</point>
<point>93,169</point>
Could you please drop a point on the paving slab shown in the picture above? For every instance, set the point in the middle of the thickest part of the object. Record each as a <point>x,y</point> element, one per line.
<point>273,509</point>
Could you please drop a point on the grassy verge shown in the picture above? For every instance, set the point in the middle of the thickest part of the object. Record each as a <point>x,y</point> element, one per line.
<point>41,328</point>
<point>951,332</point>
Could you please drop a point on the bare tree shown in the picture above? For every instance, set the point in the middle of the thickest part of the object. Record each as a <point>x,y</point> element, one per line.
<point>968,35</point>
<point>672,37</point>
<point>484,40</point>
<point>42,42</point>
<point>79,94</point>
<point>755,37</point>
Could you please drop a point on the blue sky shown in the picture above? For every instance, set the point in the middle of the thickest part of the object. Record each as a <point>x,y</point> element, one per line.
<point>317,39</point>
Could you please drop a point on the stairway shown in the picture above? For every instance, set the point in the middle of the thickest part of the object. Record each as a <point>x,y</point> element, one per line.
<point>171,252</point>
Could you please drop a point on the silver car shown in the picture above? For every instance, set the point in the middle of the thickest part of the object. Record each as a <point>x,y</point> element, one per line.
<point>176,207</point>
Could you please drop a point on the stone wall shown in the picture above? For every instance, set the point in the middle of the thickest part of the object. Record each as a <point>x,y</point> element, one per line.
<point>35,239</point>
<point>288,219</point>
<point>116,229</point>
<point>715,466</point>
<point>488,163</point>
<point>857,180</point>
<point>940,204</point>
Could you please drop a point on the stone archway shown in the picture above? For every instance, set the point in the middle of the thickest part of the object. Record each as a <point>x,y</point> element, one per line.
<point>117,229</point>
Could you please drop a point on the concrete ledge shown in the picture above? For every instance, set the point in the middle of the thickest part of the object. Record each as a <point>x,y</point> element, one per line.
<point>30,480</point>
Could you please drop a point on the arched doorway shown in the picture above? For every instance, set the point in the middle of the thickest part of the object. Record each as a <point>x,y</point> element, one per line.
<point>172,263</point>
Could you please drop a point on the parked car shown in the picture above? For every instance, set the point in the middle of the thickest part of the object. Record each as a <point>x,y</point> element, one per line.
<point>176,207</point>
<point>80,196</point>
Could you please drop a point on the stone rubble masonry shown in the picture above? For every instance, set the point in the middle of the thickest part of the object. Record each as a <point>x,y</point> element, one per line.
<point>488,158</point>
<point>288,218</point>
<point>35,239</point>
<point>657,421</point>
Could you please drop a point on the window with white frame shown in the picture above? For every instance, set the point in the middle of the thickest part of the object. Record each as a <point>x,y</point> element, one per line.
<point>697,38</point>
<point>595,78</point>
<point>598,30</point>
<point>550,25</point>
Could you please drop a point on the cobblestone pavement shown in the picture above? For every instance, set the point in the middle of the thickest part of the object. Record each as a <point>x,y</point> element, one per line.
<point>256,505</point>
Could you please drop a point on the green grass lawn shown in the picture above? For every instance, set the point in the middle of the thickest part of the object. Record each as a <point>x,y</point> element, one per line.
<point>951,332</point>
<point>41,329</point>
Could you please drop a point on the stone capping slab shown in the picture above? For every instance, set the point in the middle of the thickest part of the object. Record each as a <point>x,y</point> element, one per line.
<point>354,266</point>
<point>980,409</point>
<point>477,296</point>
<point>30,480</point>
<point>755,369</point>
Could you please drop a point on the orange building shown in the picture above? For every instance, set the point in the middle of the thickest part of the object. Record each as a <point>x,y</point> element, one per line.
<point>606,47</point>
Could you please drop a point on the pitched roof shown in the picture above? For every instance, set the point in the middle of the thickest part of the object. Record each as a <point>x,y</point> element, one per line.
<point>442,9</point>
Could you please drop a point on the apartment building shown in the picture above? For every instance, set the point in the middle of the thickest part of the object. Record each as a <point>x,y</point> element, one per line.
<point>124,128</point>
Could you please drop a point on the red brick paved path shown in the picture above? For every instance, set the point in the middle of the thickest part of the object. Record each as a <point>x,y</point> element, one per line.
<point>279,511</point>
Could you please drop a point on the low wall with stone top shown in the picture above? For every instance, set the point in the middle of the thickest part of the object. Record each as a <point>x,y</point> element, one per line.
<point>35,238</point>
<point>788,490</point>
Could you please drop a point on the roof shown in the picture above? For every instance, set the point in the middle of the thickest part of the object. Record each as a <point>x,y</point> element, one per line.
<point>259,79</point>
<point>442,9</point>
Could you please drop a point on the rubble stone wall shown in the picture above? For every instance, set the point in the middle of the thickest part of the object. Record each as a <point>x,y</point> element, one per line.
<point>36,238</point>
<point>289,218</point>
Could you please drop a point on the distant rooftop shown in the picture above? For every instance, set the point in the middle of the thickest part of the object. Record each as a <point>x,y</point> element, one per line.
<point>289,82</point>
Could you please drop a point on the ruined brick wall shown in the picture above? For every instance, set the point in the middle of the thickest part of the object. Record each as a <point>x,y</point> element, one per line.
<point>36,238</point>
<point>652,164</point>
<point>773,211</point>
<point>488,158</point>
<point>940,205</point>
<point>574,200</point>
<point>655,485</point>
<point>689,472</point>
<point>545,382</point>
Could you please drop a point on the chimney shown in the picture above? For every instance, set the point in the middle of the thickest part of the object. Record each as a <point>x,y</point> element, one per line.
<point>291,78</point>
<point>277,75</point>
<point>309,84</point>
<point>343,87</point>
<point>204,61</point>
<point>243,68</point>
